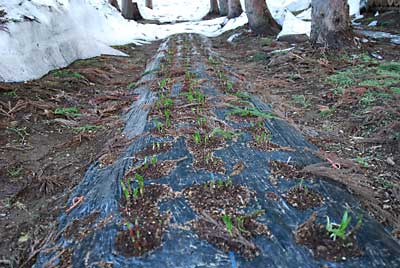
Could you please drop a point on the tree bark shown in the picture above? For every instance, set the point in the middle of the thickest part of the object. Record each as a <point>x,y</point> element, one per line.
<point>213,7</point>
<point>223,7</point>
<point>114,3</point>
<point>234,9</point>
<point>149,4</point>
<point>130,10</point>
<point>260,19</point>
<point>331,24</point>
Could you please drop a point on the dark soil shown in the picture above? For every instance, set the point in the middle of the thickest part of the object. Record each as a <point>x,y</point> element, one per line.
<point>315,237</point>
<point>45,151</point>
<point>218,196</point>
<point>215,200</point>
<point>283,170</point>
<point>157,170</point>
<point>214,230</point>
<point>203,153</point>
<point>144,224</point>
<point>303,198</point>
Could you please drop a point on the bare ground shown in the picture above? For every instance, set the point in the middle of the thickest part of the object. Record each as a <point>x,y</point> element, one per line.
<point>51,129</point>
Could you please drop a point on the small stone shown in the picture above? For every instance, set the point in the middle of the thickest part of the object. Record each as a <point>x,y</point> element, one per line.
<point>390,161</point>
<point>322,248</point>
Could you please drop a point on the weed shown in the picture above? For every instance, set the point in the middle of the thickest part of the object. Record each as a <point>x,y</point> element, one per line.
<point>327,112</point>
<point>258,56</point>
<point>253,112</point>
<point>342,79</point>
<point>263,137</point>
<point>14,172</point>
<point>228,224</point>
<point>163,83</point>
<point>87,128</point>
<point>212,61</point>
<point>396,90</point>
<point>242,95</point>
<point>391,68</point>
<point>22,133</point>
<point>228,135</point>
<point>367,99</point>
<point>266,41</point>
<point>69,111</point>
<point>339,230</point>
<point>132,85</point>
<point>301,99</point>
<point>149,72</point>
<point>12,93</point>
<point>229,86</point>
<point>362,161</point>
<point>68,73</point>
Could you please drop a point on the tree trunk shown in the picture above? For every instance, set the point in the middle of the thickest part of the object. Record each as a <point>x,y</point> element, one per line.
<point>223,7</point>
<point>130,10</point>
<point>260,19</point>
<point>114,3</point>
<point>149,4</point>
<point>234,9</point>
<point>331,24</point>
<point>213,7</point>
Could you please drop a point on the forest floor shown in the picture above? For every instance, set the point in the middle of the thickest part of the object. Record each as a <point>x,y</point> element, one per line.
<point>52,129</point>
<point>345,102</point>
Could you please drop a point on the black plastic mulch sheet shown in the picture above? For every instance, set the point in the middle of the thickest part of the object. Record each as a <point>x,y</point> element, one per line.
<point>182,248</point>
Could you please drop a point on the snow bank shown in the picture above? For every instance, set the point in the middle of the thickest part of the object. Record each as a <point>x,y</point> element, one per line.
<point>282,10</point>
<point>48,34</point>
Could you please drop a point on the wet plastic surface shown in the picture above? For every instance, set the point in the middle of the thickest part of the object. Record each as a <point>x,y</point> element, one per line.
<point>182,248</point>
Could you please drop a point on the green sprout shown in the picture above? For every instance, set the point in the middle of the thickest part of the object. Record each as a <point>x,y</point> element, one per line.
<point>197,137</point>
<point>154,160</point>
<point>339,230</point>
<point>159,125</point>
<point>240,224</point>
<point>140,181</point>
<point>125,191</point>
<point>228,224</point>
<point>229,181</point>
<point>201,98</point>
<point>167,114</point>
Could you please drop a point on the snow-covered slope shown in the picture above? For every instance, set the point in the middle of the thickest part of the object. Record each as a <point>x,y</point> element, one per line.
<point>43,35</point>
